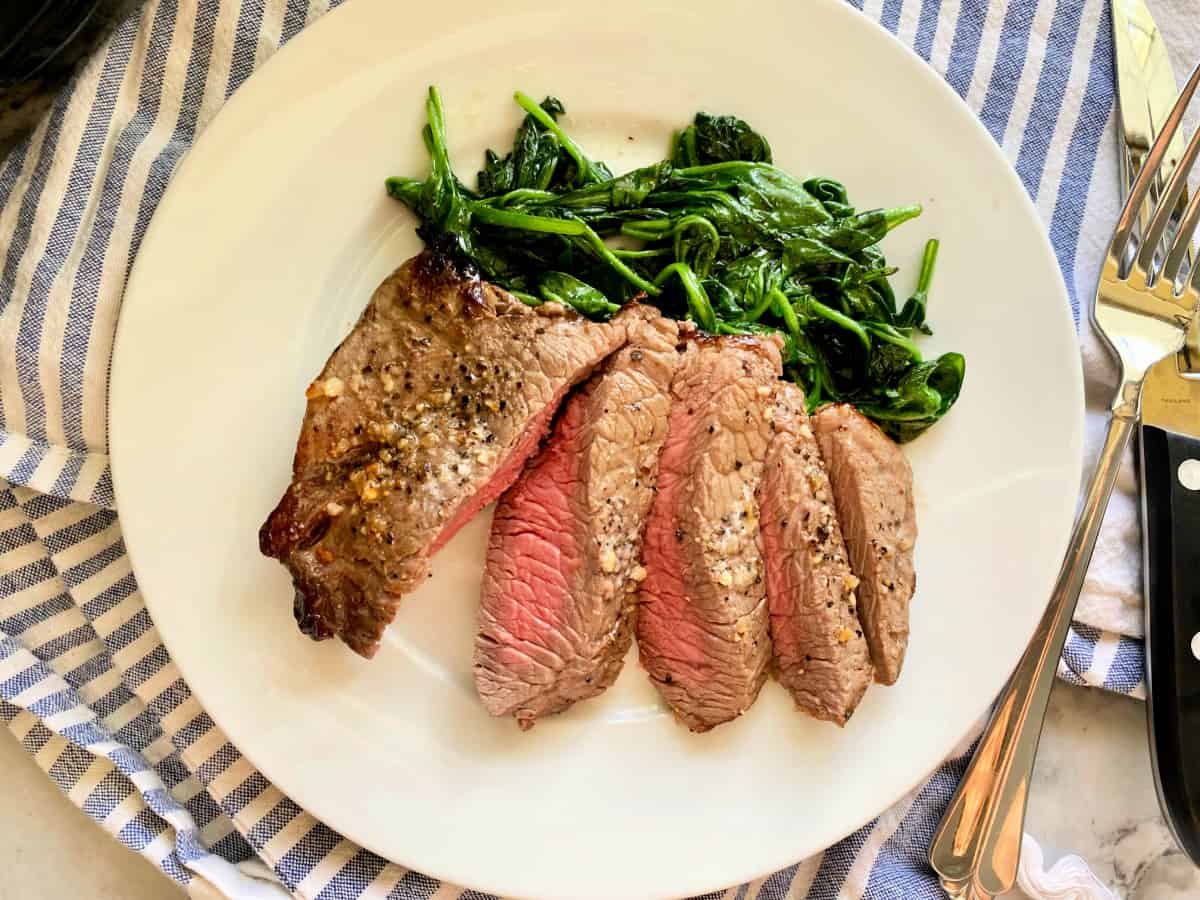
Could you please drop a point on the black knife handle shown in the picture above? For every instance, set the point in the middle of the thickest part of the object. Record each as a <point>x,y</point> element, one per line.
<point>1171,534</point>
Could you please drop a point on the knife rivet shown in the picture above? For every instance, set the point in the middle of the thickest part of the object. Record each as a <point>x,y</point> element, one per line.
<point>1196,645</point>
<point>1189,475</point>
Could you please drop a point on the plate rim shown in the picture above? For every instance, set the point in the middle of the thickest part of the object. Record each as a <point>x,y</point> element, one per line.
<point>854,18</point>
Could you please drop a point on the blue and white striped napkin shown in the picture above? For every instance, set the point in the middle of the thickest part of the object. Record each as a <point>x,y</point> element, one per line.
<point>85,683</point>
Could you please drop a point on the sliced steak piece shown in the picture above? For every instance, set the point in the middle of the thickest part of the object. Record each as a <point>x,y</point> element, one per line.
<point>873,493</point>
<point>557,606</point>
<point>423,415</point>
<point>702,618</point>
<point>820,654</point>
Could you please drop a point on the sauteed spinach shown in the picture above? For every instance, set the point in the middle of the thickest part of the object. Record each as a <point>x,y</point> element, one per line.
<point>715,234</point>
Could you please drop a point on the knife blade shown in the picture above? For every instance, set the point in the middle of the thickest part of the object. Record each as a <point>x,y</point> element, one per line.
<point>1146,86</point>
<point>1169,467</point>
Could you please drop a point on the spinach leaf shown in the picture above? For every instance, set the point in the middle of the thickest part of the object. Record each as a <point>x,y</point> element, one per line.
<point>752,279</point>
<point>921,396</point>
<point>712,139</point>
<point>888,364</point>
<point>570,291</point>
<point>497,175</point>
<point>862,302</point>
<point>773,195</point>
<point>780,200</point>
<point>805,252</point>
<point>832,195</point>
<point>722,299</point>
<point>628,191</point>
<point>857,232</point>
<point>531,163</point>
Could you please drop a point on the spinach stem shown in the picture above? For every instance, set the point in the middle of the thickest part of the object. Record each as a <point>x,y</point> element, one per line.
<point>440,157</point>
<point>928,261</point>
<point>698,303</point>
<point>784,309</point>
<point>892,336</point>
<point>566,227</point>
<point>520,195</point>
<point>766,301</point>
<point>587,168</point>
<point>840,319</point>
<point>642,254</point>
<point>646,229</point>
<point>602,250</point>
<point>525,222</point>
<point>703,258</point>
<point>720,168</point>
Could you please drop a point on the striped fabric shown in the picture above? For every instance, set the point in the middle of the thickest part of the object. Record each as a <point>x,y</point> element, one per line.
<point>85,683</point>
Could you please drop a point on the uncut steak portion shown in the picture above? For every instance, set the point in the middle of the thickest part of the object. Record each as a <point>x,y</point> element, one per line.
<point>820,654</point>
<point>557,605</point>
<point>873,493</point>
<point>702,616</point>
<point>423,415</point>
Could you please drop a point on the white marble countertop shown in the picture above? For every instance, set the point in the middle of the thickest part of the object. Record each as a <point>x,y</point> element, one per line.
<point>1093,795</point>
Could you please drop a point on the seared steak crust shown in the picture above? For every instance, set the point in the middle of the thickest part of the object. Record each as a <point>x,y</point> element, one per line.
<point>702,620</point>
<point>424,414</point>
<point>820,654</point>
<point>557,604</point>
<point>873,492</point>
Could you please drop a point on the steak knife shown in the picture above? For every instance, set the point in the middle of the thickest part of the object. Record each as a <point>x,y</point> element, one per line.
<point>1169,468</point>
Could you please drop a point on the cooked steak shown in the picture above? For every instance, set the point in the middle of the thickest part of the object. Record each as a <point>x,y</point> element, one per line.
<point>702,618</point>
<point>563,560</point>
<point>423,415</point>
<point>820,654</point>
<point>873,493</point>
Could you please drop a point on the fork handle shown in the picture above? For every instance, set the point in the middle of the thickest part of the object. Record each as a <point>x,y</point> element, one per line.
<point>978,844</point>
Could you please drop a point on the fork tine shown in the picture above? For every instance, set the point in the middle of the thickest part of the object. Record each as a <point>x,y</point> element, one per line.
<point>1167,203</point>
<point>1151,166</point>
<point>1183,239</point>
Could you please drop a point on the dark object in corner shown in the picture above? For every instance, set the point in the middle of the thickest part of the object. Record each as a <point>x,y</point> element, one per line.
<point>41,44</point>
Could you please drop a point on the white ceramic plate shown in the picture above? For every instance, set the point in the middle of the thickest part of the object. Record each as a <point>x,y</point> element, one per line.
<point>262,254</point>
